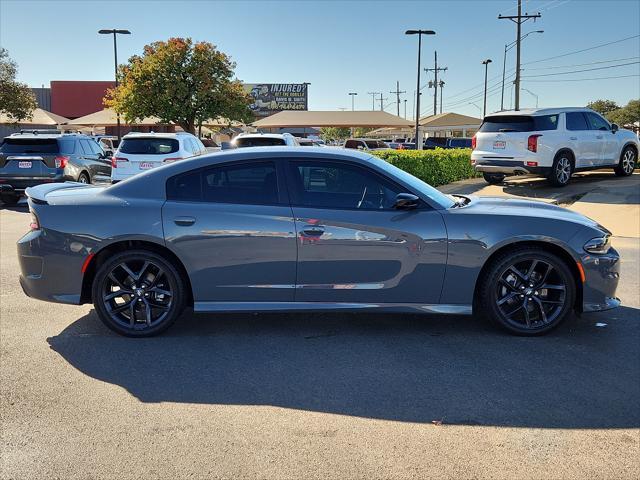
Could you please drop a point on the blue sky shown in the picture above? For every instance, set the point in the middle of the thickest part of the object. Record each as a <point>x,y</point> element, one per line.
<point>342,46</point>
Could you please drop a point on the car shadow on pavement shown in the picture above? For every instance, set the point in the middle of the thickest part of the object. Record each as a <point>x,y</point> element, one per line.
<point>411,368</point>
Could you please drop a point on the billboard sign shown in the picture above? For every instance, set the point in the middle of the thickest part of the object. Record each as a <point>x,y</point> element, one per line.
<point>270,98</point>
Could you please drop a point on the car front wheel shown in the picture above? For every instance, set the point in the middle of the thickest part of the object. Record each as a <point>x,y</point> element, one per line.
<point>627,163</point>
<point>10,199</point>
<point>527,291</point>
<point>84,178</point>
<point>138,293</point>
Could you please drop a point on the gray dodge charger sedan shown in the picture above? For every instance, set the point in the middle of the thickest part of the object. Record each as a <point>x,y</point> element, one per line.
<point>274,229</point>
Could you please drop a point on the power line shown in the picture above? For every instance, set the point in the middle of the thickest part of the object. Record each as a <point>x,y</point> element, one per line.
<point>584,64</point>
<point>583,50</point>
<point>582,79</point>
<point>583,70</point>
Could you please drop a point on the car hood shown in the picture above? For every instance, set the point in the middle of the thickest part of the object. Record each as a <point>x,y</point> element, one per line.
<point>524,208</point>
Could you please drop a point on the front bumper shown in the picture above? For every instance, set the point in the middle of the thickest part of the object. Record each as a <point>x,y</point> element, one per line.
<point>602,273</point>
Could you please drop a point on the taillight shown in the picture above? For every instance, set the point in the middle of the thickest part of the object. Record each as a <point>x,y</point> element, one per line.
<point>172,159</point>
<point>34,224</point>
<point>532,143</point>
<point>61,161</point>
<point>115,160</point>
<point>473,143</point>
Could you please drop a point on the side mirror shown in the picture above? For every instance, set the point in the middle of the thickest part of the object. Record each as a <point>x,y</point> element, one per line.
<point>614,127</point>
<point>406,201</point>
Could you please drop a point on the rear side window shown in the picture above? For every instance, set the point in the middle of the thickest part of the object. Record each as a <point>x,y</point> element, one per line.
<point>460,142</point>
<point>248,183</point>
<point>576,121</point>
<point>67,146</point>
<point>519,123</point>
<point>259,142</point>
<point>29,145</point>
<point>149,146</point>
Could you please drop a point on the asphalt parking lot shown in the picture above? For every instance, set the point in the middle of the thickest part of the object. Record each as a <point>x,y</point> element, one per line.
<point>328,396</point>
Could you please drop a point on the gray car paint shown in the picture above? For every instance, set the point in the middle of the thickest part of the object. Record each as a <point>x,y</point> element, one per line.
<point>243,257</point>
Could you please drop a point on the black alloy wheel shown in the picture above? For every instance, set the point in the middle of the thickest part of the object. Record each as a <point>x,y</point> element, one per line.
<point>528,292</point>
<point>138,293</point>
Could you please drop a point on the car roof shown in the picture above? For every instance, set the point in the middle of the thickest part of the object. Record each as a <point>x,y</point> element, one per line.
<point>366,139</point>
<point>540,111</point>
<point>156,134</point>
<point>30,135</point>
<point>262,135</point>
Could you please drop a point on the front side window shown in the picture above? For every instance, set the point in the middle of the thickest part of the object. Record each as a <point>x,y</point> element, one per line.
<point>596,122</point>
<point>576,121</point>
<point>149,146</point>
<point>320,184</point>
<point>247,183</point>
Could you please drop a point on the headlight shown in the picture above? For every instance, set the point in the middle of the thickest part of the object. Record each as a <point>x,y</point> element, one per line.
<point>598,244</point>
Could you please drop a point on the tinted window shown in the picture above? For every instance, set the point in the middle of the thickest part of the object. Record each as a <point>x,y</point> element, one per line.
<point>335,185</point>
<point>460,143</point>
<point>353,144</point>
<point>596,122</point>
<point>29,145</point>
<point>67,145</point>
<point>576,121</point>
<point>149,146</point>
<point>95,148</point>
<point>259,142</point>
<point>519,123</point>
<point>254,183</point>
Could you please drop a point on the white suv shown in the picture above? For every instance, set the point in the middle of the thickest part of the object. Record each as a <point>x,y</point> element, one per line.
<point>553,142</point>
<point>138,152</point>
<point>264,140</point>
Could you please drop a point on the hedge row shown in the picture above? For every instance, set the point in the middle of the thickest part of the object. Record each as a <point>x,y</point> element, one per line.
<point>436,167</point>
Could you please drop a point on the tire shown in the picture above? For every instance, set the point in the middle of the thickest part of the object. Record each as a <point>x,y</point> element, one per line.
<point>84,178</point>
<point>10,199</point>
<point>524,300</point>
<point>561,170</point>
<point>627,164</point>
<point>155,293</point>
<point>493,178</point>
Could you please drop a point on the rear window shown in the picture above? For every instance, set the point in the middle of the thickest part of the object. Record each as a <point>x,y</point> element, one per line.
<point>149,146</point>
<point>259,142</point>
<point>29,145</point>
<point>519,123</point>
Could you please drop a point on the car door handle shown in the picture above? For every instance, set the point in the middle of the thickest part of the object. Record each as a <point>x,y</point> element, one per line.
<point>573,138</point>
<point>598,137</point>
<point>313,230</point>
<point>184,221</point>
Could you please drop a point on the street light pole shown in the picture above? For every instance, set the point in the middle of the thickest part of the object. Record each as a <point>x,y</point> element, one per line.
<point>353,96</point>
<point>529,91</point>
<point>504,62</point>
<point>486,68</point>
<point>114,32</point>
<point>419,33</point>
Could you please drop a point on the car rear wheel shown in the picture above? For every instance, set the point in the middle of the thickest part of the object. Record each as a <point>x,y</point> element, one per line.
<point>10,199</point>
<point>627,163</point>
<point>562,170</point>
<point>84,178</point>
<point>493,178</point>
<point>138,293</point>
<point>527,291</point>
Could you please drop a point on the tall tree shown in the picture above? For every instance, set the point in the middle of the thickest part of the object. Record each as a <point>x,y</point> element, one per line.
<point>626,115</point>
<point>16,99</point>
<point>603,107</point>
<point>334,133</point>
<point>182,82</point>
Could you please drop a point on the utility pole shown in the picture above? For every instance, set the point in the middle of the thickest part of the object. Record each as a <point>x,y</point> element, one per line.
<point>441,85</point>
<point>486,69</point>
<point>398,92</point>
<point>382,102</point>
<point>373,99</point>
<point>417,110</point>
<point>518,20</point>
<point>435,70</point>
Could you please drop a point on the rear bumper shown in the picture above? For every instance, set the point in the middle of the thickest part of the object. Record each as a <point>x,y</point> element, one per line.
<point>19,185</point>
<point>508,167</point>
<point>49,269</point>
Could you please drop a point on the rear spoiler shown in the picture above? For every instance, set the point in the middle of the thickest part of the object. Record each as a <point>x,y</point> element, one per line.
<point>39,193</point>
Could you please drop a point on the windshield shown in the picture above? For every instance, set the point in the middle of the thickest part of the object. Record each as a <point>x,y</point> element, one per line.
<point>29,145</point>
<point>519,123</point>
<point>149,146</point>
<point>259,142</point>
<point>445,201</point>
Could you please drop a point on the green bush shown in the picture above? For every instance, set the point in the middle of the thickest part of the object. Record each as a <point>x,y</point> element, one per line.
<point>436,167</point>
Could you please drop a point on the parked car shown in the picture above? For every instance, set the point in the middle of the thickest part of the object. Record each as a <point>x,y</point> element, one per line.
<point>435,142</point>
<point>551,142</point>
<point>458,142</point>
<point>264,140</point>
<point>28,159</point>
<point>308,142</point>
<point>108,143</point>
<point>143,151</point>
<point>274,229</point>
<point>365,144</point>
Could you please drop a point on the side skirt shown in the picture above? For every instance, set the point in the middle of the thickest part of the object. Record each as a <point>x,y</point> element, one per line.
<point>439,309</point>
